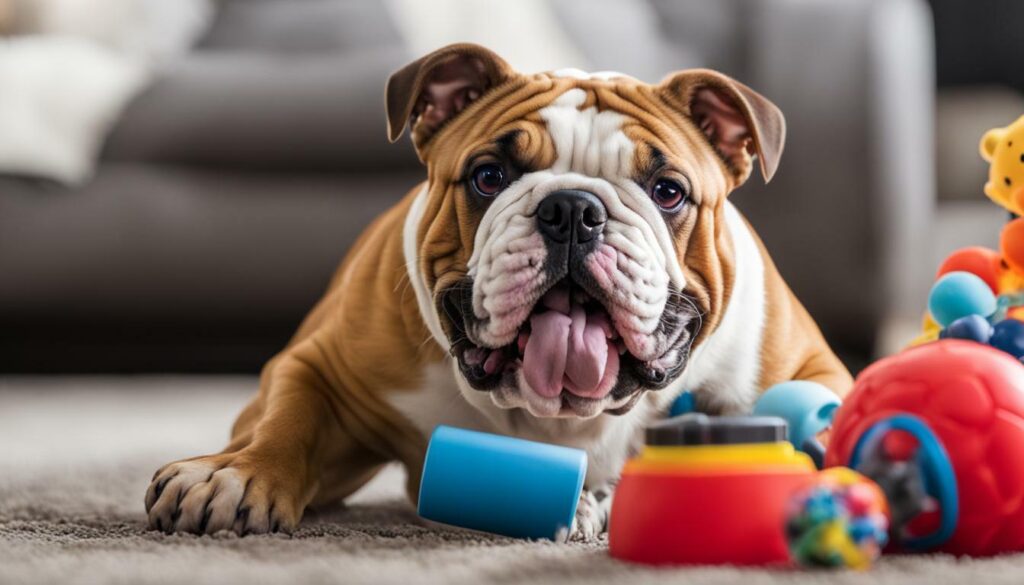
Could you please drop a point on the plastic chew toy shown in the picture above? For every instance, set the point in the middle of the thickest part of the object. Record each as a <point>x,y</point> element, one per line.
<point>965,305</point>
<point>685,403</point>
<point>940,428</point>
<point>972,328</point>
<point>962,305</point>
<point>1008,335</point>
<point>841,520</point>
<point>708,490</point>
<point>503,485</point>
<point>808,409</point>
<point>960,294</point>
<point>978,260</point>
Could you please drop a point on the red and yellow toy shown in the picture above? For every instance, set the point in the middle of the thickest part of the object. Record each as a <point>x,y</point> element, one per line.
<point>733,490</point>
<point>708,490</point>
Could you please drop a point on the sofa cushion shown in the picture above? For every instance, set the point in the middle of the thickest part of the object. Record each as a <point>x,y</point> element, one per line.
<point>287,26</point>
<point>161,244</point>
<point>264,111</point>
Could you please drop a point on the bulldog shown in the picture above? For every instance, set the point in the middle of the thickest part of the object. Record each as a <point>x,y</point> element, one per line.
<point>569,267</point>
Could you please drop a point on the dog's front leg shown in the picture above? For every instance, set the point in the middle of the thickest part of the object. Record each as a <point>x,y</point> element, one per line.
<point>592,513</point>
<point>263,481</point>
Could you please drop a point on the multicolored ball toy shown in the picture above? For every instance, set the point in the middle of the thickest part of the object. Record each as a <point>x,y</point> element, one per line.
<point>841,520</point>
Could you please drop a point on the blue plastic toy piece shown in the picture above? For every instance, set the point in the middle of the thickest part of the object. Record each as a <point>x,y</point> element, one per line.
<point>958,294</point>
<point>940,480</point>
<point>972,328</point>
<point>807,407</point>
<point>1008,336</point>
<point>684,404</point>
<point>503,485</point>
<point>1004,303</point>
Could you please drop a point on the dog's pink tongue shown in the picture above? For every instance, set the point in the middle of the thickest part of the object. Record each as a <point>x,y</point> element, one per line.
<point>567,348</point>
<point>546,352</point>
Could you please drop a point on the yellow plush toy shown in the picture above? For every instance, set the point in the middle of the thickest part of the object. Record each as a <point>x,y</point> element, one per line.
<point>1003,149</point>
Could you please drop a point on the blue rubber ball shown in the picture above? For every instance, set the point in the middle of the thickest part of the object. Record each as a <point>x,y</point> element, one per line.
<point>1008,336</point>
<point>971,327</point>
<point>958,294</point>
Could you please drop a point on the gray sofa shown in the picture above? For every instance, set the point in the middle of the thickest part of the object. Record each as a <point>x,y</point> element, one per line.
<point>231,188</point>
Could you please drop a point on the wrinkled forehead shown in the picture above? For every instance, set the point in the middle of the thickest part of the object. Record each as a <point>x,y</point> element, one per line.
<point>604,124</point>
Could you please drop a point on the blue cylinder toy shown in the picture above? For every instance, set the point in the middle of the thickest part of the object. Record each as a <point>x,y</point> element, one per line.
<point>502,485</point>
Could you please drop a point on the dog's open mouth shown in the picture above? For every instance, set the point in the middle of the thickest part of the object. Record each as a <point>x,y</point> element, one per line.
<point>567,343</point>
<point>567,348</point>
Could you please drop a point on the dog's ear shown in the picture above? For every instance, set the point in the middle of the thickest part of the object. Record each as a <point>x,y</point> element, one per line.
<point>430,91</point>
<point>738,121</point>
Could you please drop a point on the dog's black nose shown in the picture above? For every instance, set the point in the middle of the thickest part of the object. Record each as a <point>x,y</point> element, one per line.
<point>571,216</point>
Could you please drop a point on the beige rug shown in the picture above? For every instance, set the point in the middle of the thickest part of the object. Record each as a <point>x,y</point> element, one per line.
<point>76,455</point>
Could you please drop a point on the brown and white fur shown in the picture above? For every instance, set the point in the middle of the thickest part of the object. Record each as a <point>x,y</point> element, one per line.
<point>449,277</point>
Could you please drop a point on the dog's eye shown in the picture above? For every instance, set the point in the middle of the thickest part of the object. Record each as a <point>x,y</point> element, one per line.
<point>488,180</point>
<point>668,195</point>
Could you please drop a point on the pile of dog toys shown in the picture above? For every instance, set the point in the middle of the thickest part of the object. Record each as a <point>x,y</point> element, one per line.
<point>704,490</point>
<point>924,454</point>
<point>976,285</point>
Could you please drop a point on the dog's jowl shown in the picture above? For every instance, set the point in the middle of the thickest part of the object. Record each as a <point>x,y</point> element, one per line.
<point>571,264</point>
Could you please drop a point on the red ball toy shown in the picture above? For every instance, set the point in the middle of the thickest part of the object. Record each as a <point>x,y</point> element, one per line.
<point>970,399</point>
<point>979,261</point>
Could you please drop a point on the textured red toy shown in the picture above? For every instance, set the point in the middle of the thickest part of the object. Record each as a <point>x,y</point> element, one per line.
<point>971,397</point>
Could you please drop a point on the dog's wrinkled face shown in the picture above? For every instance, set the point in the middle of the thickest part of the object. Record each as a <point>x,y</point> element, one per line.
<point>568,248</point>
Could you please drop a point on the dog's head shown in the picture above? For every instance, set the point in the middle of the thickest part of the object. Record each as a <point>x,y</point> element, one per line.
<point>569,247</point>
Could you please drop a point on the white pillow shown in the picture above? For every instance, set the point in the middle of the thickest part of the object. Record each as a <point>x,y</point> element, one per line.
<point>59,99</point>
<point>158,29</point>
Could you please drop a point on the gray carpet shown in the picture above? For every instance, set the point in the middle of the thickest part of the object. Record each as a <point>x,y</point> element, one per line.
<point>76,454</point>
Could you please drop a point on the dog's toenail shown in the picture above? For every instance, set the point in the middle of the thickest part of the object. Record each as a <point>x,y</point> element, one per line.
<point>206,520</point>
<point>161,485</point>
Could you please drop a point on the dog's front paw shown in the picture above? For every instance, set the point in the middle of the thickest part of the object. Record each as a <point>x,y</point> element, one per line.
<point>591,518</point>
<point>221,492</point>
